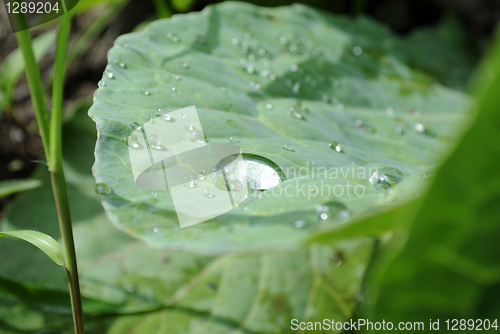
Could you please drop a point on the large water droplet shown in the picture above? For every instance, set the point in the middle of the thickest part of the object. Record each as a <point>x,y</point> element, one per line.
<point>154,142</point>
<point>251,172</point>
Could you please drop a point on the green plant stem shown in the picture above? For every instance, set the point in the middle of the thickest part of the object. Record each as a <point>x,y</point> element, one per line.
<point>57,173</point>
<point>34,82</point>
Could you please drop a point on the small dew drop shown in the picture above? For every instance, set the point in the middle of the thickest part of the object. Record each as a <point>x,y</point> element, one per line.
<point>294,68</point>
<point>389,111</point>
<point>234,140</point>
<point>334,145</point>
<point>185,65</point>
<point>166,117</point>
<point>231,123</point>
<point>300,223</point>
<point>269,106</point>
<point>182,116</point>
<point>155,230</point>
<point>145,92</point>
<point>176,77</point>
<point>294,113</point>
<point>132,141</point>
<point>189,127</point>
<point>131,288</point>
<point>109,74</point>
<point>296,87</point>
<point>174,89</point>
<point>323,216</point>
<point>357,50</point>
<point>208,194</point>
<point>189,182</point>
<point>288,148</point>
<point>103,189</point>
<point>120,63</point>
<point>154,142</point>
<point>200,176</point>
<point>420,128</point>
<point>136,126</point>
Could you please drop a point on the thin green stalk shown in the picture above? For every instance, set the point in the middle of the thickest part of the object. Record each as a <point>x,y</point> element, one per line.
<point>52,143</point>
<point>57,173</point>
<point>34,81</point>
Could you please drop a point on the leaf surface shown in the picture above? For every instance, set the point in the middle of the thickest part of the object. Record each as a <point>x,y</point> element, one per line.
<point>286,93</point>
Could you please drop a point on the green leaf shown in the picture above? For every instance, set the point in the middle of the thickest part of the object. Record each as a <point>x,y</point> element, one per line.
<point>10,187</point>
<point>223,61</point>
<point>124,282</point>
<point>42,241</point>
<point>447,265</point>
<point>13,65</point>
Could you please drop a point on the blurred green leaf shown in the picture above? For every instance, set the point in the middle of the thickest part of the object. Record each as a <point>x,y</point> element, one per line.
<point>182,5</point>
<point>447,267</point>
<point>13,65</point>
<point>10,187</point>
<point>42,241</point>
<point>255,73</point>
